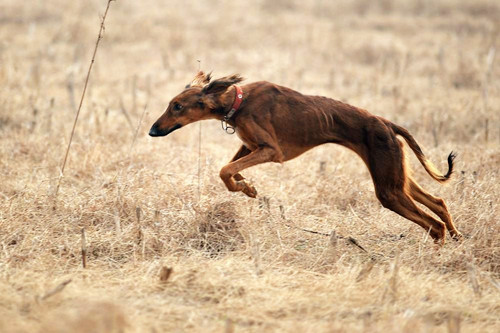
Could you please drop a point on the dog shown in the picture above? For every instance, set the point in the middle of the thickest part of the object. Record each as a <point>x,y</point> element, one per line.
<point>277,124</point>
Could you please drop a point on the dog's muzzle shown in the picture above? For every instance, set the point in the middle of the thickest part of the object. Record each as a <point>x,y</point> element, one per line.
<point>155,131</point>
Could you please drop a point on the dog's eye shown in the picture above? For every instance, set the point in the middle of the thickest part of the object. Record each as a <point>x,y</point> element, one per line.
<point>177,107</point>
<point>201,104</point>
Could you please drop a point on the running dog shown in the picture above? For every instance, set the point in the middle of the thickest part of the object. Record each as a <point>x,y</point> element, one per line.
<point>277,124</point>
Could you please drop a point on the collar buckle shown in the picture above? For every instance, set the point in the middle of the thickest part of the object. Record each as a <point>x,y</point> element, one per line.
<point>226,127</point>
<point>238,99</point>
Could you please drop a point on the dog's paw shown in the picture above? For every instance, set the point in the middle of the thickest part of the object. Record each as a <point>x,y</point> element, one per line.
<point>456,235</point>
<point>248,189</point>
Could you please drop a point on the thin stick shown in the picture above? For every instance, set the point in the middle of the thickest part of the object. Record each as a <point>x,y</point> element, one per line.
<point>134,94</point>
<point>310,231</point>
<point>199,163</point>
<point>137,129</point>
<point>332,236</point>
<point>391,289</point>
<point>365,271</point>
<point>99,37</point>
<point>126,115</point>
<point>84,249</point>
<point>256,255</point>
<point>56,290</point>
<point>471,270</point>
<point>199,150</point>
<point>355,243</point>
<point>71,91</point>
<point>393,282</point>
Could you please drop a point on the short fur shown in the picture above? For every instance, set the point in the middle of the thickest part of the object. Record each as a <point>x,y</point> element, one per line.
<point>277,124</point>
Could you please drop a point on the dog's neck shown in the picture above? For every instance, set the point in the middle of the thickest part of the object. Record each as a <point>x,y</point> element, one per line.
<point>225,102</point>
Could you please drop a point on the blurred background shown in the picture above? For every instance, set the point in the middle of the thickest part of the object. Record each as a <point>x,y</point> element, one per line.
<point>147,203</point>
<point>431,58</point>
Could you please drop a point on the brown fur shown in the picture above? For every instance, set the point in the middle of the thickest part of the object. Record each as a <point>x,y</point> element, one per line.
<point>277,124</point>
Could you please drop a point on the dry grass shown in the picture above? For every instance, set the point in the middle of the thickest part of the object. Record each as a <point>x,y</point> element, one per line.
<point>236,264</point>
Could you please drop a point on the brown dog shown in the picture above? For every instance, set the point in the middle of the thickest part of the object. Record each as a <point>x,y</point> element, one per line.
<point>277,124</point>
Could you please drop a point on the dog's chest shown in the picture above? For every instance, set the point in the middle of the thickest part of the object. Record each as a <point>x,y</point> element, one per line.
<point>246,140</point>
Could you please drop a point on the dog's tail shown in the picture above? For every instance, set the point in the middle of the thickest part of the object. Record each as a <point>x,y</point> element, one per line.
<point>428,166</point>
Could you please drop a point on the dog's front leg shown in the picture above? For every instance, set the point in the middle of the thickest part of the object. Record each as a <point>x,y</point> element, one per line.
<point>243,151</point>
<point>227,173</point>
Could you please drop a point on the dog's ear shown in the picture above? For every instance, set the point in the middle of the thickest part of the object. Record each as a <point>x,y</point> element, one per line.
<point>201,79</point>
<point>221,85</point>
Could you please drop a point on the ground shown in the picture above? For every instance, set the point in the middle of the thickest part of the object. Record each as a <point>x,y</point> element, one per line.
<point>167,247</point>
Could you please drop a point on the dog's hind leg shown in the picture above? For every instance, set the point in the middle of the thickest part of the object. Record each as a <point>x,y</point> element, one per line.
<point>384,157</point>
<point>399,202</point>
<point>435,204</point>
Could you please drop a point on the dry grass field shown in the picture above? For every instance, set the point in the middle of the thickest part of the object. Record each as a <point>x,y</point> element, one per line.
<point>148,205</point>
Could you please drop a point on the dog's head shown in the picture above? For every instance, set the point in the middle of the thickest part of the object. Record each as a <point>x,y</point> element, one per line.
<point>201,99</point>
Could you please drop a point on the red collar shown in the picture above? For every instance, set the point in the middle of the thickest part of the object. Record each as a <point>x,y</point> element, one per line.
<point>238,98</point>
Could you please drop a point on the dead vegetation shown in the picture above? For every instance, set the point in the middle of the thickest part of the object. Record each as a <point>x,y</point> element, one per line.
<point>166,247</point>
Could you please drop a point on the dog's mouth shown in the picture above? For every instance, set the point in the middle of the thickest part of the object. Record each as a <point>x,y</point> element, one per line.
<point>155,131</point>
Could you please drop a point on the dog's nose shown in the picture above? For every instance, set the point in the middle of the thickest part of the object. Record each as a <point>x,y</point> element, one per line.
<point>154,130</point>
<point>157,131</point>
